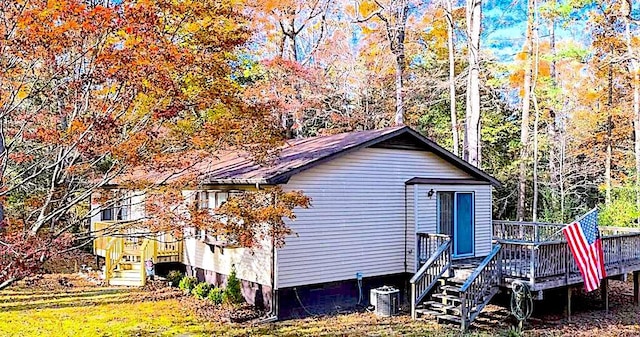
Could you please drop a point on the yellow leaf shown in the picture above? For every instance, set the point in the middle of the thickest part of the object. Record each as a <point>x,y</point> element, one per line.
<point>22,93</point>
<point>367,7</point>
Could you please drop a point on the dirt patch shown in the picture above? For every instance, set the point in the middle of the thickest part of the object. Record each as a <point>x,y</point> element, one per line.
<point>588,315</point>
<point>53,282</point>
<point>69,263</point>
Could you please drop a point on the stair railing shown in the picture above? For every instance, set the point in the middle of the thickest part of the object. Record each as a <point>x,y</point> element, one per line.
<point>480,287</point>
<point>114,251</point>
<point>148,250</point>
<point>427,277</point>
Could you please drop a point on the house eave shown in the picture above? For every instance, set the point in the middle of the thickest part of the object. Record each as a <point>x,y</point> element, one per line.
<point>445,181</point>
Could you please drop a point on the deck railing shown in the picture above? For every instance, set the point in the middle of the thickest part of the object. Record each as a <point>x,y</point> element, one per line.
<point>480,287</point>
<point>168,247</point>
<point>100,231</point>
<point>428,243</point>
<point>438,263</point>
<point>529,252</point>
<point>526,231</point>
<point>114,252</point>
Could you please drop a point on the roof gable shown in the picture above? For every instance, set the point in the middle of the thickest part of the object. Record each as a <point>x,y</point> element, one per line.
<point>302,154</point>
<point>238,167</point>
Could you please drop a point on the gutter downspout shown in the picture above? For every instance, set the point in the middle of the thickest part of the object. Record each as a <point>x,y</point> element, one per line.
<point>272,315</point>
<point>405,227</point>
<point>407,284</point>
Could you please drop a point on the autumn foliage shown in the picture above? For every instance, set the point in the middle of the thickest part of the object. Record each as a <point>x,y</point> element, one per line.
<point>91,91</point>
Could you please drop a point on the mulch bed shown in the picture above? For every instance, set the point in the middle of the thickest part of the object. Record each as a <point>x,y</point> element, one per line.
<point>220,313</point>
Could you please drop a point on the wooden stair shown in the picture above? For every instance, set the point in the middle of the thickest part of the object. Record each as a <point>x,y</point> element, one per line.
<point>127,274</point>
<point>445,304</point>
<point>124,268</point>
<point>461,297</point>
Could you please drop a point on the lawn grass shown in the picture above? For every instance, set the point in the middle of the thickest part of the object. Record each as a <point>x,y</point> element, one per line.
<point>50,309</point>
<point>99,312</point>
<point>88,310</point>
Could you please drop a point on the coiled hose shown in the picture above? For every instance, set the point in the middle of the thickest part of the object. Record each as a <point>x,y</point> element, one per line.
<point>521,301</point>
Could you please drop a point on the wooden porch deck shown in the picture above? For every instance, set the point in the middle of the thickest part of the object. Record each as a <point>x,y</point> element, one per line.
<point>536,253</point>
<point>168,248</point>
<point>126,246</point>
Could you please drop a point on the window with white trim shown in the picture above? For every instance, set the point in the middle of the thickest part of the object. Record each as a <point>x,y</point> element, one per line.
<point>119,211</point>
<point>209,200</point>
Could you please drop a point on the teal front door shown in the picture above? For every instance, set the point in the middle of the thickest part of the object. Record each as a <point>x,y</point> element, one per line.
<point>456,219</point>
<point>464,225</point>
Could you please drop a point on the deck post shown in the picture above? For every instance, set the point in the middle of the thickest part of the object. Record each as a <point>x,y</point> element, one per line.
<point>532,265</point>
<point>636,287</point>
<point>569,303</point>
<point>413,300</point>
<point>604,293</point>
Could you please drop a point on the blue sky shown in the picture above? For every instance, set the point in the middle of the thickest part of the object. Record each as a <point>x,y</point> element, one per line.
<point>505,21</point>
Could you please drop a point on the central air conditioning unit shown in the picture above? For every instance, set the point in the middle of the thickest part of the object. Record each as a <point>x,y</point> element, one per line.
<point>386,301</point>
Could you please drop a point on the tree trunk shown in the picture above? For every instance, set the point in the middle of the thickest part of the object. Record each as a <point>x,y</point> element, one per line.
<point>400,66</point>
<point>526,107</point>
<point>7,283</point>
<point>563,152</point>
<point>554,132</point>
<point>534,210</point>
<point>636,129</point>
<point>472,123</point>
<point>452,78</point>
<point>536,65</point>
<point>288,50</point>
<point>396,23</point>
<point>636,110</point>
<point>607,161</point>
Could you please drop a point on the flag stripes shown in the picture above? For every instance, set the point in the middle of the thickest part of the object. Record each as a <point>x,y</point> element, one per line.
<point>586,246</point>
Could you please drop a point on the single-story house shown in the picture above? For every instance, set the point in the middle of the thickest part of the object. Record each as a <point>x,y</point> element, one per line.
<point>371,193</point>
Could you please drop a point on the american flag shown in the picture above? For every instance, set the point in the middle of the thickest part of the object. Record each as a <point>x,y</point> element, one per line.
<point>584,240</point>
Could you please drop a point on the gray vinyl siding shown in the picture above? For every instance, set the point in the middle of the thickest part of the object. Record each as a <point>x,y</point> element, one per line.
<point>426,213</point>
<point>357,219</point>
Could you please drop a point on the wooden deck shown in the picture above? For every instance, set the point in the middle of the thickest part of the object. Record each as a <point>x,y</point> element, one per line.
<point>537,253</point>
<point>532,253</point>
<point>168,248</point>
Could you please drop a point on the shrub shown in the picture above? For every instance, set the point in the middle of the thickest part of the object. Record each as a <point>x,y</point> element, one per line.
<point>233,291</point>
<point>188,283</point>
<point>216,296</point>
<point>175,277</point>
<point>201,290</point>
<point>622,212</point>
